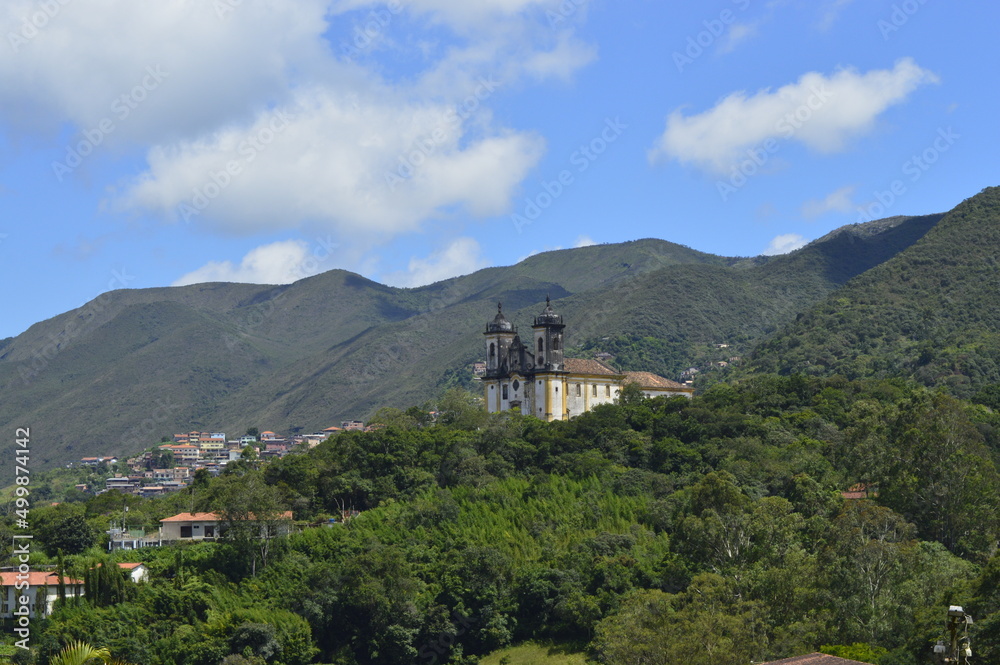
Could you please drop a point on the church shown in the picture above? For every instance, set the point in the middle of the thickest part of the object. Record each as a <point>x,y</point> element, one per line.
<point>538,380</point>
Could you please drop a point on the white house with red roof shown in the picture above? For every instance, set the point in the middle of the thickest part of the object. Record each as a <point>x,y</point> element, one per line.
<point>207,526</point>
<point>43,587</point>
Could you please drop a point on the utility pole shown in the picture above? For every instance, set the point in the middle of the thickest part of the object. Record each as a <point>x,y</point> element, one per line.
<point>958,650</point>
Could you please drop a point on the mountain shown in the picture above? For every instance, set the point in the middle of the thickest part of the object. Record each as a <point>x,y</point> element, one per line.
<point>930,313</point>
<point>115,375</point>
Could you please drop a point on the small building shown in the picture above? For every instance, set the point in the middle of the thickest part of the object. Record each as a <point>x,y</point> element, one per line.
<point>190,526</point>
<point>814,659</point>
<point>208,526</point>
<point>353,425</point>
<point>137,572</point>
<point>132,539</point>
<point>43,587</point>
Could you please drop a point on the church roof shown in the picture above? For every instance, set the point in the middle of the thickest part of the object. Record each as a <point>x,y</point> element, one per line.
<point>548,315</point>
<point>500,322</point>
<point>650,380</point>
<point>588,366</point>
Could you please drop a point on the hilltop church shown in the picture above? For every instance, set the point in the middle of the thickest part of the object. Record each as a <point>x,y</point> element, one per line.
<point>538,380</point>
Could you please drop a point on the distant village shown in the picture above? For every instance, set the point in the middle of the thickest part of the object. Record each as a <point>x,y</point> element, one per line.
<point>171,466</point>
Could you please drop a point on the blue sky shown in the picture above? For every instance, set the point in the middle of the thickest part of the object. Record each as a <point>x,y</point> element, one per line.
<point>165,143</point>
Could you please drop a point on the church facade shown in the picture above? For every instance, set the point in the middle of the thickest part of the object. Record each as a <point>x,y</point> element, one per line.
<point>536,378</point>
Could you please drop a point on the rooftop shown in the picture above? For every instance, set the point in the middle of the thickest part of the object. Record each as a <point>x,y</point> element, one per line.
<point>650,380</point>
<point>813,659</point>
<point>588,366</point>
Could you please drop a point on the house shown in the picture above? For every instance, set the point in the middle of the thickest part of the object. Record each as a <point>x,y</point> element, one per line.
<point>127,485</point>
<point>813,659</point>
<point>353,425</point>
<point>131,539</point>
<point>860,491</point>
<point>190,526</point>
<point>137,572</point>
<point>183,452</point>
<point>42,587</point>
<point>207,526</point>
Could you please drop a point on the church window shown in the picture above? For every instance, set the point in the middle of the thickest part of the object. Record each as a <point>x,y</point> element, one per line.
<point>607,391</point>
<point>578,390</point>
<point>595,390</point>
<point>505,391</point>
<point>541,346</point>
<point>517,384</point>
<point>493,351</point>
<point>557,388</point>
<point>555,344</point>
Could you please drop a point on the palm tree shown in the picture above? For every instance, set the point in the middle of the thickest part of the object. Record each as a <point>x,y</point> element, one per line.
<point>81,653</point>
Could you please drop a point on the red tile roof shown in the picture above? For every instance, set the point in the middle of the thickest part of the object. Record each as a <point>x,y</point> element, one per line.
<point>36,578</point>
<point>650,380</point>
<point>192,517</point>
<point>211,517</point>
<point>814,659</point>
<point>588,366</point>
<point>129,566</point>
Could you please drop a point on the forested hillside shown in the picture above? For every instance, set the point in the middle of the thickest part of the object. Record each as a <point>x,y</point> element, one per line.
<point>929,313</point>
<point>630,532</point>
<point>135,365</point>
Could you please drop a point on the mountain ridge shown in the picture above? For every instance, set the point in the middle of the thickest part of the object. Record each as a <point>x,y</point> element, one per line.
<point>138,364</point>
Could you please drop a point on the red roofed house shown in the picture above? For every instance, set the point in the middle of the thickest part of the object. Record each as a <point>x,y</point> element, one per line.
<point>204,526</point>
<point>534,377</point>
<point>137,571</point>
<point>183,452</point>
<point>190,526</point>
<point>814,659</point>
<point>41,585</point>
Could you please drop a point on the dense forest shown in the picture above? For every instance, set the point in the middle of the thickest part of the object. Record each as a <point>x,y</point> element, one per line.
<point>713,528</point>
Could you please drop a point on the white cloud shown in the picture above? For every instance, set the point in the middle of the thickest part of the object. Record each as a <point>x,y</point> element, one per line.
<point>838,201</point>
<point>738,33</point>
<point>822,112</point>
<point>278,263</point>
<point>367,167</point>
<point>83,59</point>
<point>584,241</point>
<point>460,257</point>
<point>831,12</point>
<point>785,243</point>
